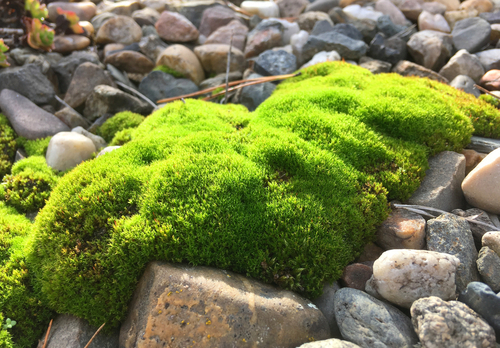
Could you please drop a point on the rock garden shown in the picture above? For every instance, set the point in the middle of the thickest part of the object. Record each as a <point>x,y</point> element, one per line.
<point>256,173</point>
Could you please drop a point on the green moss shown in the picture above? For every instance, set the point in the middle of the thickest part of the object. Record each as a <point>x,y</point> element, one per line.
<point>289,194</point>
<point>5,337</point>
<point>169,70</point>
<point>36,147</point>
<point>490,99</point>
<point>7,146</point>
<point>119,122</point>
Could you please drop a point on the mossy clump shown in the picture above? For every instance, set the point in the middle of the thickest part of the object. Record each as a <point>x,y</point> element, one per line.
<point>119,122</point>
<point>29,185</point>
<point>289,194</point>
<point>5,337</point>
<point>7,146</point>
<point>170,71</point>
<point>36,147</point>
<point>490,100</point>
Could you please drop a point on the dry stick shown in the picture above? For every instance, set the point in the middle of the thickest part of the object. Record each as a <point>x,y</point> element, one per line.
<point>99,329</point>
<point>47,335</point>
<point>137,93</point>
<point>228,65</point>
<point>418,209</point>
<point>486,91</point>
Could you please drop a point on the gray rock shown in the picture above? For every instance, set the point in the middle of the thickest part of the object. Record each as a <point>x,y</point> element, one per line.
<point>65,68</point>
<point>326,305</point>
<point>466,84</point>
<point>159,85</point>
<point>491,17</point>
<point>387,27</point>
<point>450,324</point>
<point>349,30</point>
<point>27,119</point>
<point>322,5</point>
<point>406,68</point>
<point>471,34</point>
<point>100,19</point>
<point>388,50</point>
<point>220,79</point>
<point>253,96</point>
<point>484,145</point>
<point>488,264</point>
<point>376,66</point>
<point>29,81</point>
<point>331,343</point>
<point>108,100</point>
<point>451,234</point>
<point>477,230</point>
<point>273,62</point>
<point>480,298</point>
<point>266,35</point>
<point>430,48</point>
<point>214,18</point>
<point>98,141</point>
<point>321,27</point>
<point>68,331</point>
<point>71,118</point>
<point>369,322</point>
<point>149,30</point>
<point>119,76</point>
<point>333,41</point>
<point>194,11</point>
<point>490,59</point>
<point>367,27</point>
<point>152,46</point>
<point>441,186</point>
<point>463,63</point>
<point>146,16</point>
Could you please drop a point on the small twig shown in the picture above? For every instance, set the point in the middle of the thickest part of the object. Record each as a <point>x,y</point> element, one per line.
<point>47,334</point>
<point>484,90</point>
<point>67,105</point>
<point>403,32</point>
<point>11,31</point>
<point>137,93</point>
<point>228,66</point>
<point>99,329</point>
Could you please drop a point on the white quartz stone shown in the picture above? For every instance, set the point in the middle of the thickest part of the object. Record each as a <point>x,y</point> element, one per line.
<point>68,149</point>
<point>264,9</point>
<point>321,57</point>
<point>362,12</point>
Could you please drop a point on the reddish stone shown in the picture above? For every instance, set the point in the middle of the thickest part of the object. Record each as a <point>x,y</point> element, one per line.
<point>356,275</point>
<point>491,80</point>
<point>261,41</point>
<point>174,27</point>
<point>215,17</point>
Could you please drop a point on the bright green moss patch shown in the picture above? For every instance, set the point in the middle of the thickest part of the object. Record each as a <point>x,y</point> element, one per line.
<point>36,147</point>
<point>7,146</point>
<point>5,337</point>
<point>169,70</point>
<point>289,194</point>
<point>119,122</point>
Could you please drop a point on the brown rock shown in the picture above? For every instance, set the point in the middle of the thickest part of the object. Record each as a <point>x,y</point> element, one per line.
<point>130,61</point>
<point>291,8</point>
<point>406,68</point>
<point>176,305</point>
<point>451,5</point>
<point>213,58</point>
<point>70,43</point>
<point>356,275</point>
<point>85,10</point>
<point>431,49</point>
<point>146,16</point>
<point>478,5</point>
<point>472,159</point>
<point>411,9</point>
<point>371,252</point>
<point>119,29</point>
<point>121,8</point>
<point>85,78</point>
<point>491,80</point>
<point>260,41</point>
<point>402,230</point>
<point>214,18</point>
<point>183,60</point>
<point>112,47</point>
<point>174,27</point>
<point>71,118</point>
<point>223,35</point>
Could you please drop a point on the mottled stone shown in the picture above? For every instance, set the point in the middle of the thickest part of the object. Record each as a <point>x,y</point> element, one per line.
<point>488,265</point>
<point>85,10</point>
<point>403,276</point>
<point>402,230</point>
<point>291,8</point>
<point>450,324</point>
<point>40,91</point>
<point>406,68</point>
<point>151,46</point>
<point>222,35</point>
<point>183,60</point>
<point>429,21</point>
<point>263,9</point>
<point>263,37</point>
<point>492,241</point>
<point>326,304</point>
<point>120,29</point>
<point>174,27</point>
<point>463,63</point>
<point>130,61</point>
<point>430,48</point>
<point>213,58</point>
<point>369,322</point>
<point>471,34</point>
<point>215,308</point>
<point>68,149</point>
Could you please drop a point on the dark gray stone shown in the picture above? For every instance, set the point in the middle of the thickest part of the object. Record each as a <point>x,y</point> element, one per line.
<point>272,62</point>
<point>471,34</point>
<point>220,79</point>
<point>348,30</point>
<point>65,68</point>
<point>321,27</point>
<point>484,145</point>
<point>388,50</point>
<point>491,17</point>
<point>326,305</point>
<point>29,81</point>
<point>159,85</point>
<point>466,84</point>
<point>369,322</point>
<point>451,234</point>
<point>333,41</point>
<point>488,264</point>
<point>253,96</point>
<point>71,332</point>
<point>387,27</point>
<point>479,297</point>
<point>477,230</point>
<point>322,5</point>
<point>27,119</point>
<point>367,28</point>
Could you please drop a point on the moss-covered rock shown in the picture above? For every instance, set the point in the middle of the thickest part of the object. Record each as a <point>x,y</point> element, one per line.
<point>119,122</point>
<point>288,194</point>
<point>7,146</point>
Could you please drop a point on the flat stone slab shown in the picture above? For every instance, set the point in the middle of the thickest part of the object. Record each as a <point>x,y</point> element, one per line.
<point>485,145</point>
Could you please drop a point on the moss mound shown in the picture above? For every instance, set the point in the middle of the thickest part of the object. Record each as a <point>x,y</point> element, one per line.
<point>7,146</point>
<point>288,194</point>
<point>119,122</point>
<point>36,147</point>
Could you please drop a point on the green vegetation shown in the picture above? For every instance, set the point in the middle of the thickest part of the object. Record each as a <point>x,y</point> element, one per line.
<point>5,338</point>
<point>36,147</point>
<point>119,122</point>
<point>490,99</point>
<point>170,71</point>
<point>7,146</point>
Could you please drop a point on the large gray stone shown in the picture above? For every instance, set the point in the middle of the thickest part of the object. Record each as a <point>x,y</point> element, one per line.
<point>347,47</point>
<point>471,34</point>
<point>390,50</point>
<point>466,84</point>
<point>490,59</point>
<point>369,322</point>
<point>159,85</point>
<point>27,119</point>
<point>326,305</point>
<point>441,186</point>
<point>463,63</point>
<point>29,81</point>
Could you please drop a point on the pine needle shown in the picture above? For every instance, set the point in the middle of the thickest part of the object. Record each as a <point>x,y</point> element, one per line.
<point>47,334</point>
<point>99,329</point>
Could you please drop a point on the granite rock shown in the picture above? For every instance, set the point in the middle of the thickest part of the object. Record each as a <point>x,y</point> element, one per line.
<point>40,91</point>
<point>488,264</point>
<point>463,63</point>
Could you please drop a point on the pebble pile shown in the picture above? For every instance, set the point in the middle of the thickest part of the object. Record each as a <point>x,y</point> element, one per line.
<point>432,281</point>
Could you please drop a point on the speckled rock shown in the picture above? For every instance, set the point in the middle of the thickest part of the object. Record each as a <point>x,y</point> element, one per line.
<point>68,149</point>
<point>406,68</point>
<point>183,60</point>
<point>213,58</point>
<point>369,322</point>
<point>130,61</point>
<point>402,230</point>
<point>174,304</point>
<point>463,63</point>
<point>430,48</point>
<point>450,324</point>
<point>492,241</point>
<point>275,63</point>
<point>174,27</point>
<point>488,264</point>
<point>403,276</point>
<point>477,230</point>
<point>120,29</point>
<point>222,35</point>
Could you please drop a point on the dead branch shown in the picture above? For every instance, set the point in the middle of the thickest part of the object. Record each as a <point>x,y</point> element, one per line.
<point>484,90</point>
<point>47,334</point>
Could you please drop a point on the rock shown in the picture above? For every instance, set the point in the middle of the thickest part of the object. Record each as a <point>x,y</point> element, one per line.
<point>271,63</point>
<point>411,9</point>
<point>403,276</point>
<point>264,9</point>
<point>220,79</point>
<point>130,61</point>
<point>108,100</point>
<point>151,46</point>
<point>264,37</point>
<point>71,118</point>
<point>288,29</point>
<point>159,85</point>
<point>490,59</point>
<point>222,35</point>
<point>356,275</point>
<point>451,234</point>
<point>121,8</point>
<point>429,21</point>
<point>491,17</point>
<point>389,50</point>
<point>371,252</point>
<point>449,324</point>
<point>107,150</point>
<point>388,8</point>
<point>321,27</point>
<point>85,10</point>
<point>174,27</point>
<point>40,91</point>
<point>480,298</point>
<point>333,41</point>
<point>321,57</point>
<point>492,241</point>
<point>146,16</point>
<point>298,41</point>
<point>452,17</point>
<point>326,305</point>
<point>98,141</point>
<point>331,343</point>
<point>119,76</point>
<point>70,43</point>
<point>348,30</point>
<point>466,84</point>
<point>406,68</point>
<point>100,19</point>
<point>472,157</point>
<point>479,5</point>
<point>388,28</point>
<point>68,149</point>
<point>481,187</point>
<point>183,60</point>
<point>193,10</point>
<point>484,145</point>
<point>451,5</point>
<point>86,77</point>
<point>491,80</point>
<point>321,5</point>
<point>369,322</point>
<point>376,66</point>
<point>471,34</point>
<point>27,119</point>
<point>253,96</point>
<point>430,48</point>
<point>402,230</point>
<point>477,230</point>
<point>488,265</point>
<point>434,7</point>
<point>120,29</point>
<point>215,308</point>
<point>68,331</point>
<point>361,13</point>
<point>113,48</point>
<point>291,8</point>
<point>213,58</point>
<point>306,21</point>
<point>216,17</point>
<point>463,63</point>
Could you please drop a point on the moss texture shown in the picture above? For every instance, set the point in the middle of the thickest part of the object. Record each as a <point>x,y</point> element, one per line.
<point>36,147</point>
<point>288,194</point>
<point>5,337</point>
<point>119,122</point>
<point>7,146</point>
<point>170,71</point>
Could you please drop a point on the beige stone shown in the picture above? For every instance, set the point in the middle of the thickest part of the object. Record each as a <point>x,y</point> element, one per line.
<point>402,230</point>
<point>130,61</point>
<point>492,241</point>
<point>68,149</point>
<point>411,9</point>
<point>291,8</point>
<point>388,8</point>
<point>451,5</point>
<point>223,35</point>
<point>119,29</point>
<point>213,58</point>
<point>429,21</point>
<point>479,5</point>
<point>472,159</point>
<point>183,60</point>
<point>70,43</point>
<point>121,8</point>
<point>453,17</point>
<point>482,186</point>
<point>174,27</point>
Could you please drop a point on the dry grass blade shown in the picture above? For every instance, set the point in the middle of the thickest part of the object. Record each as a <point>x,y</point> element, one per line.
<point>99,329</point>
<point>228,66</point>
<point>47,334</point>
<point>484,90</point>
